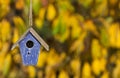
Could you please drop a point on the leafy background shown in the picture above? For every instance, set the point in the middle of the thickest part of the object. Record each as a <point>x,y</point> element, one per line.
<point>83,35</point>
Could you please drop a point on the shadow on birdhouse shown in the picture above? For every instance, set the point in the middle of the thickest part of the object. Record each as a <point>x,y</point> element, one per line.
<point>30,44</point>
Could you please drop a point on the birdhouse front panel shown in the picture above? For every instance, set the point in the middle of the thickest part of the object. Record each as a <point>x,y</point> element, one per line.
<point>29,49</point>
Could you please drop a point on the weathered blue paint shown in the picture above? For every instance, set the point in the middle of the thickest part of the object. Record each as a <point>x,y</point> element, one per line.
<point>29,55</point>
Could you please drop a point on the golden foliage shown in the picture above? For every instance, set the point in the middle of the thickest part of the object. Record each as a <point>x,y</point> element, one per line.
<point>114,34</point>
<point>75,66</point>
<point>63,74</point>
<point>96,49</point>
<point>7,64</point>
<point>86,71</point>
<point>51,12</point>
<point>42,59</point>
<point>32,72</point>
<point>83,35</point>
<point>5,30</point>
<point>19,4</point>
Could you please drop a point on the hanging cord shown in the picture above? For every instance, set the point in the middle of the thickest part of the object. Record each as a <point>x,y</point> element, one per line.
<point>30,14</point>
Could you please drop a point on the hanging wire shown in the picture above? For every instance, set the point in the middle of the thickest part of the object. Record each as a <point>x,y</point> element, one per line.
<point>30,14</point>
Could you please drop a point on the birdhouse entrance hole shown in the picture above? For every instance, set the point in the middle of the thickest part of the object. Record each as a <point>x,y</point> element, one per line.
<point>29,44</point>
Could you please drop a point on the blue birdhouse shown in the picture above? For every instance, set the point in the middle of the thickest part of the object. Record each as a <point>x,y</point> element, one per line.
<point>30,44</point>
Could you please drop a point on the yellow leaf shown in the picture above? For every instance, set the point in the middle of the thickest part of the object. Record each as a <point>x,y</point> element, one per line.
<point>6,2</point>
<point>42,13</point>
<point>50,72</point>
<point>75,27</point>
<point>5,47</point>
<point>52,58</point>
<point>17,58</point>
<point>0,45</point>
<point>104,52</point>
<point>63,74</point>
<point>2,58</point>
<point>103,64</point>
<point>96,49</point>
<point>31,72</point>
<point>42,59</point>
<point>96,68</point>
<point>102,5</point>
<point>62,56</point>
<point>13,73</point>
<point>5,30</point>
<point>89,26</point>
<point>86,71</point>
<point>7,64</point>
<point>19,23</point>
<point>15,35</point>
<point>118,61</point>
<point>75,65</point>
<point>51,12</point>
<point>105,75</point>
<point>114,35</point>
<point>15,51</point>
<point>78,45</point>
<point>19,4</point>
<point>4,8</point>
<point>39,23</point>
<point>116,72</point>
<point>40,74</point>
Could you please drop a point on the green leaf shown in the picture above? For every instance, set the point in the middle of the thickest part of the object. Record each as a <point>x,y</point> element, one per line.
<point>7,65</point>
<point>104,37</point>
<point>36,6</point>
<point>60,28</point>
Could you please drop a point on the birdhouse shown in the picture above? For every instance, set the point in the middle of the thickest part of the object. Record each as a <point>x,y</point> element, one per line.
<point>30,44</point>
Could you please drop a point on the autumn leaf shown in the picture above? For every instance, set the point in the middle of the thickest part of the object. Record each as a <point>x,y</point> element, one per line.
<point>39,23</point>
<point>5,30</point>
<point>75,65</point>
<point>20,25</point>
<point>96,49</point>
<point>78,45</point>
<point>104,37</point>
<point>50,72</point>
<point>63,74</point>
<point>7,65</point>
<point>86,71</point>
<point>90,26</point>
<point>36,6</point>
<point>15,35</point>
<point>114,35</point>
<point>4,8</point>
<point>19,4</point>
<point>42,13</point>
<point>32,72</point>
<point>42,59</point>
<point>95,67</point>
<point>51,12</point>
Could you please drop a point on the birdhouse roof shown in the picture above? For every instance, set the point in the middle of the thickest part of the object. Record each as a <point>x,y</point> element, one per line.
<point>34,33</point>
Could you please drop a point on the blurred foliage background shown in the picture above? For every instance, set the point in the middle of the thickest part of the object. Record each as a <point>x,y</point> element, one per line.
<point>83,35</point>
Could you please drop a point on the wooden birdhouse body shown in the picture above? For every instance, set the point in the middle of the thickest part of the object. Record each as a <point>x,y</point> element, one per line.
<point>30,44</point>
<point>29,49</point>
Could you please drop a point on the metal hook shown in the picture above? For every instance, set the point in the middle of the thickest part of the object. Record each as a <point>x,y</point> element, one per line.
<point>30,14</point>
